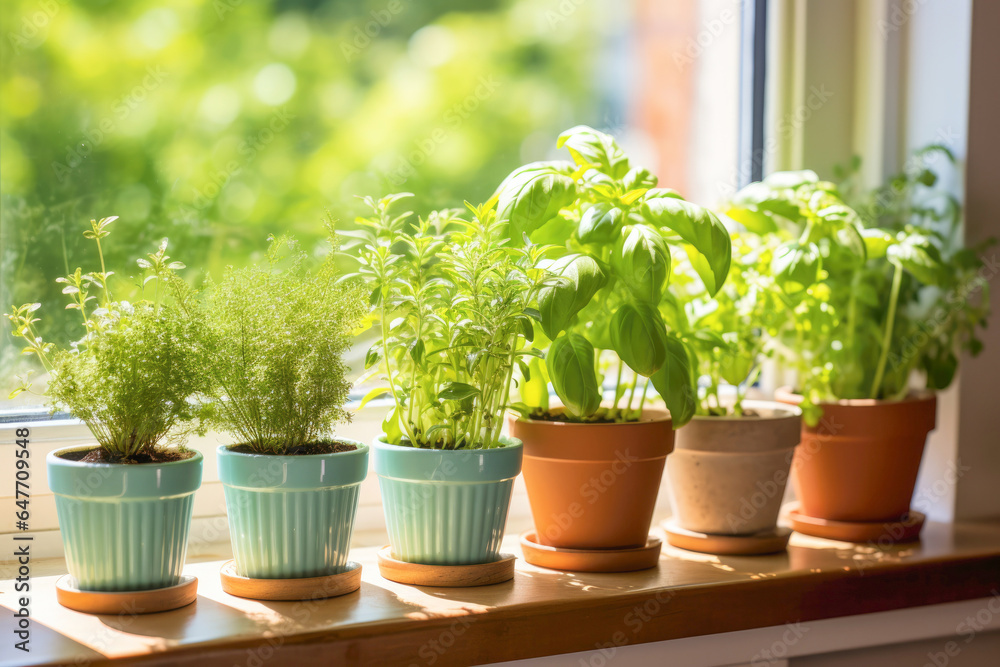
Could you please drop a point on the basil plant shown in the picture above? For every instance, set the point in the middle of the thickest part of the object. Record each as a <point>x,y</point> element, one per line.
<point>611,309</point>
<point>451,303</point>
<point>873,291</point>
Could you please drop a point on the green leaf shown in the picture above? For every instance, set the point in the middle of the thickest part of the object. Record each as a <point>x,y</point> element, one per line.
<point>600,223</point>
<point>710,249</point>
<point>580,277</point>
<point>918,255</point>
<point>639,178</point>
<point>590,146</point>
<point>796,267</point>
<point>457,391</point>
<point>372,356</point>
<point>790,179</point>
<point>877,242</point>
<point>534,194</point>
<point>639,336</point>
<point>371,395</point>
<point>571,366</point>
<point>390,427</point>
<point>674,381</point>
<point>535,389</point>
<point>641,260</point>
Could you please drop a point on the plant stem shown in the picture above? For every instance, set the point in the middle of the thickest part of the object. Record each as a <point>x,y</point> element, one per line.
<point>618,384</point>
<point>897,279</point>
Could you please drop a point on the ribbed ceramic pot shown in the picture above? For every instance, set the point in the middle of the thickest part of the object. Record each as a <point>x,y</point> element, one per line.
<point>446,507</point>
<point>292,516</point>
<point>124,527</point>
<point>728,474</point>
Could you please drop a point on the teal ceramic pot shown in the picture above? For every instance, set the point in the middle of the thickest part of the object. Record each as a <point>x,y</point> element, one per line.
<point>124,527</point>
<point>292,516</point>
<point>445,507</point>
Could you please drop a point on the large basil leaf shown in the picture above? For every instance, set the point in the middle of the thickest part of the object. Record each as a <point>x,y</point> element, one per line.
<point>917,254</point>
<point>641,260</point>
<point>571,365</point>
<point>534,194</point>
<point>710,249</point>
<point>675,382</point>
<point>877,242</point>
<point>590,146</point>
<point>579,278</point>
<point>639,336</point>
<point>600,223</point>
<point>796,267</point>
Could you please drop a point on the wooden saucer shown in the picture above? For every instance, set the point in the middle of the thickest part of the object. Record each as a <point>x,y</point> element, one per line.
<point>883,533</point>
<point>126,602</point>
<point>628,559</point>
<point>304,588</point>
<point>768,542</point>
<point>450,576</point>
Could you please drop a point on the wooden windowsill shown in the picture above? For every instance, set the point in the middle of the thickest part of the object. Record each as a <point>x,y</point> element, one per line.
<point>540,612</point>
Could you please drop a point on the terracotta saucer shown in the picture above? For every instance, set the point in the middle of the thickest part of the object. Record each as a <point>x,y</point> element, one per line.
<point>882,533</point>
<point>126,602</point>
<point>450,576</point>
<point>757,544</point>
<point>591,560</point>
<point>304,588</point>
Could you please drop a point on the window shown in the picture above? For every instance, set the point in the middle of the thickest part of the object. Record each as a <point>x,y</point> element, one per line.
<point>217,124</point>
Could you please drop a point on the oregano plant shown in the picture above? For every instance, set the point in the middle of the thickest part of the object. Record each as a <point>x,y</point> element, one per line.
<point>611,311</point>
<point>874,291</point>
<point>134,374</point>
<point>452,301</point>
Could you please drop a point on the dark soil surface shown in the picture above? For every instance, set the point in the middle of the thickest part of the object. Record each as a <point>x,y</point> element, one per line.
<point>98,455</point>
<point>546,416</point>
<point>331,447</point>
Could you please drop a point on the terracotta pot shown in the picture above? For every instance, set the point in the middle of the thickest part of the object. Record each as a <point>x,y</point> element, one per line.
<point>860,462</point>
<point>594,486</point>
<point>728,474</point>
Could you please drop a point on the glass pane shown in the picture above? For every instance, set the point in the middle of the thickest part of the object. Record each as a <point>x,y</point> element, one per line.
<point>215,124</point>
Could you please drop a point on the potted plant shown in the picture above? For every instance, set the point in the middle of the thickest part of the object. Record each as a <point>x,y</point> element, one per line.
<point>593,467</point>
<point>873,298</point>
<point>451,302</point>
<point>124,503</point>
<point>277,334</point>
<point>730,464</point>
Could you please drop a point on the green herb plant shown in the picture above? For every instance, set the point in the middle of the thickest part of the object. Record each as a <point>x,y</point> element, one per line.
<point>731,332</point>
<point>451,301</point>
<point>277,336</point>
<point>133,375</point>
<point>874,291</point>
<point>611,310</point>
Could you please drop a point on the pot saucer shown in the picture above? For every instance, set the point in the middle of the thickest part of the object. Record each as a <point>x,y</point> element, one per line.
<point>767,542</point>
<point>128,603</point>
<point>882,533</point>
<point>450,576</point>
<point>628,559</point>
<point>304,588</point>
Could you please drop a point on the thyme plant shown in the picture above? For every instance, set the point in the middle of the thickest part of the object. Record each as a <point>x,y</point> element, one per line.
<point>132,376</point>
<point>875,291</point>
<point>452,301</point>
<point>278,334</point>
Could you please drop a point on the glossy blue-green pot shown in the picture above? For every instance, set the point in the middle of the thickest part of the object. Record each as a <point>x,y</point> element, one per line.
<point>446,507</point>
<point>124,527</point>
<point>292,516</point>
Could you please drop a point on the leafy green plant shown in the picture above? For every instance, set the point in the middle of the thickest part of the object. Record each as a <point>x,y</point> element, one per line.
<point>875,291</point>
<point>611,309</point>
<point>451,301</point>
<point>132,376</point>
<point>277,337</point>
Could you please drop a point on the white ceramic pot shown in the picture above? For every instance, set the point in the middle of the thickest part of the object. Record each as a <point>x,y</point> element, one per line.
<point>728,474</point>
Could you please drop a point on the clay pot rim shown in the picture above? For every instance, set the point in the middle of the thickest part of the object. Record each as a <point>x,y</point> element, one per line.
<point>662,416</point>
<point>915,396</point>
<point>791,411</point>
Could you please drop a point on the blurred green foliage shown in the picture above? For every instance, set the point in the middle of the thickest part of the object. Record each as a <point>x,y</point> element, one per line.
<point>217,122</point>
